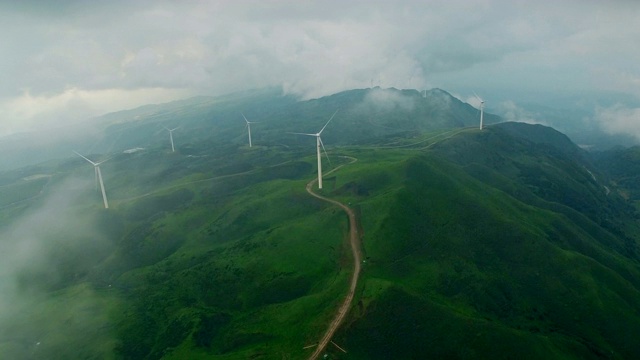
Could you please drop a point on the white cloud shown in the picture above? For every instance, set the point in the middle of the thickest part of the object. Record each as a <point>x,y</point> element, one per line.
<point>37,112</point>
<point>510,111</point>
<point>381,100</point>
<point>314,48</point>
<point>37,251</point>
<point>619,119</point>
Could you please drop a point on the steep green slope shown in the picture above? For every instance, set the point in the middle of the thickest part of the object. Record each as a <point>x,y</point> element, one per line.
<point>208,256</point>
<point>465,263</point>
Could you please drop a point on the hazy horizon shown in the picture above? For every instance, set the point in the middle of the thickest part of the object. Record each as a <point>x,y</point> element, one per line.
<point>74,60</point>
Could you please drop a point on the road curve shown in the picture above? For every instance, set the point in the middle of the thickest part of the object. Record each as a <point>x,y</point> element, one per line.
<point>354,240</point>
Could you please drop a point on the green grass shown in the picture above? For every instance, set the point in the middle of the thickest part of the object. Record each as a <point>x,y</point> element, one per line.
<point>480,246</point>
<point>479,265</point>
<point>233,261</point>
<point>221,257</point>
<point>76,315</point>
<point>21,190</point>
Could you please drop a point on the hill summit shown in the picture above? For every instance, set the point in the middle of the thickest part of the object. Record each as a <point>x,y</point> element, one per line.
<point>364,115</point>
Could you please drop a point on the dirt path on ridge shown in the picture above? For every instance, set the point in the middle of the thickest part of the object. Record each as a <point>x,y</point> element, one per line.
<point>354,240</point>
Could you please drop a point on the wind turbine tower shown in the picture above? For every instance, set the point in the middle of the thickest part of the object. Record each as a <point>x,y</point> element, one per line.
<point>481,109</point>
<point>171,137</point>
<point>248,127</point>
<point>319,144</point>
<point>96,167</point>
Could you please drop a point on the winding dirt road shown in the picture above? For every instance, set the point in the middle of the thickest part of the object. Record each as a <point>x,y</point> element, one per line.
<point>354,239</point>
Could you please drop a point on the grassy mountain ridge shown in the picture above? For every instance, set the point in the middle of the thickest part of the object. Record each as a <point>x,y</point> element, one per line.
<point>365,114</point>
<point>473,271</point>
<point>505,242</point>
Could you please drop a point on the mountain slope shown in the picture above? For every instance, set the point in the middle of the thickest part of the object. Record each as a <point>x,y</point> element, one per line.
<point>623,169</point>
<point>505,242</point>
<point>472,264</point>
<point>364,114</point>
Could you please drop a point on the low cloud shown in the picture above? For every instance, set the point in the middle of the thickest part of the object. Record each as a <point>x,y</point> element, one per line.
<point>42,112</point>
<point>43,251</point>
<point>619,119</point>
<point>378,100</point>
<point>62,53</point>
<point>471,100</point>
<point>510,111</point>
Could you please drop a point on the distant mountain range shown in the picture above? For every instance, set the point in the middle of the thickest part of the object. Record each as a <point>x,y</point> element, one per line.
<point>363,114</point>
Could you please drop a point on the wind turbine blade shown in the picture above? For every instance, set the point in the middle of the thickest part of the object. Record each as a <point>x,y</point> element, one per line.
<point>295,133</point>
<point>325,151</point>
<point>77,153</point>
<point>478,97</point>
<point>104,193</point>
<point>98,163</point>
<point>325,125</point>
<point>245,118</point>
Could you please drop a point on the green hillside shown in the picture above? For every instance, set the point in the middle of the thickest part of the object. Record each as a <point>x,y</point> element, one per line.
<point>476,256</point>
<point>509,242</point>
<point>364,114</point>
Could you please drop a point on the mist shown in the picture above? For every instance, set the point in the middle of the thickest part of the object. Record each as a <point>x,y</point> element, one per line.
<point>73,62</point>
<point>46,258</point>
<point>510,111</point>
<point>619,119</point>
<point>380,100</point>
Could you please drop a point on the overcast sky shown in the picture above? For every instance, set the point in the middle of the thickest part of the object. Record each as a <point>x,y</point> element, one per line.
<point>68,60</point>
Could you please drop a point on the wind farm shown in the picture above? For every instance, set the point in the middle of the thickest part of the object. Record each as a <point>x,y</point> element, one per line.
<point>217,244</point>
<point>476,195</point>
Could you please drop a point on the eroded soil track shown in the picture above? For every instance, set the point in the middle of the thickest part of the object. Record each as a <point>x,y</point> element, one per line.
<point>354,240</point>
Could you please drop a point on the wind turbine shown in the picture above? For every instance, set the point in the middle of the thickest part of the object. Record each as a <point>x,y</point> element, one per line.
<point>248,127</point>
<point>171,136</point>
<point>318,145</point>
<point>96,167</point>
<point>481,108</point>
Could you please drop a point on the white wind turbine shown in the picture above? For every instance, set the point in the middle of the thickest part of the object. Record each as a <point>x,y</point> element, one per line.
<point>248,127</point>
<point>171,136</point>
<point>481,108</point>
<point>96,167</point>
<point>318,145</point>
